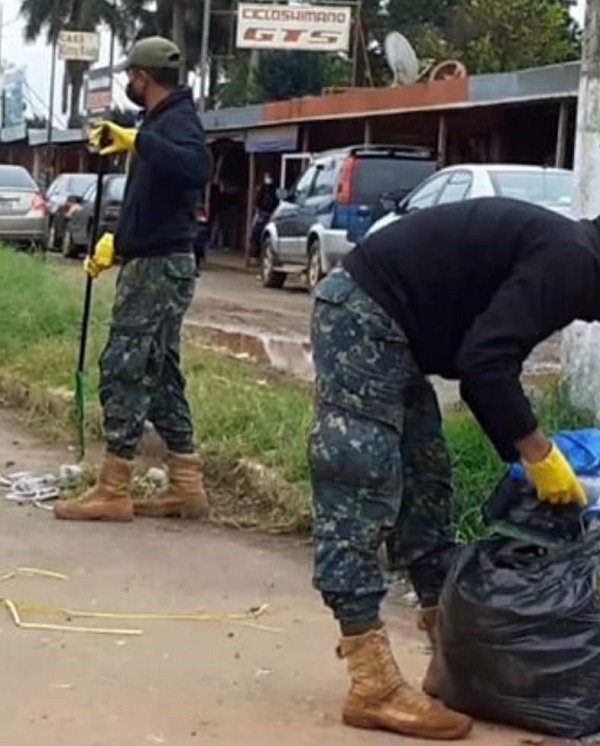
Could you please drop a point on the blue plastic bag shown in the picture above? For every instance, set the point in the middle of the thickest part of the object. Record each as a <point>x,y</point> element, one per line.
<point>581,449</point>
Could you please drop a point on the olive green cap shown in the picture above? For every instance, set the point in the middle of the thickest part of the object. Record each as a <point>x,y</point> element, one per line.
<point>154,53</point>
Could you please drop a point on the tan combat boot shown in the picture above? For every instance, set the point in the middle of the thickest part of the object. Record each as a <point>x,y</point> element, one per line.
<point>432,683</point>
<point>184,497</point>
<point>380,698</point>
<point>108,501</point>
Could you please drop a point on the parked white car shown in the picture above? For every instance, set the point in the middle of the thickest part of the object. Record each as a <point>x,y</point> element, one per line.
<point>549,187</point>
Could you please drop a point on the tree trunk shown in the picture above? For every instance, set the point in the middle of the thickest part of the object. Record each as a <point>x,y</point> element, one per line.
<point>76,77</point>
<point>64,98</point>
<point>179,36</point>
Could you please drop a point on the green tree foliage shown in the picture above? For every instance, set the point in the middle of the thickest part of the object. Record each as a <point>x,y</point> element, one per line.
<point>410,16</point>
<point>492,35</point>
<point>274,76</point>
<point>282,75</point>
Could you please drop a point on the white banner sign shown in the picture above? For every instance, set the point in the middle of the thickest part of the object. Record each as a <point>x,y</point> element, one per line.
<point>79,46</point>
<point>316,28</point>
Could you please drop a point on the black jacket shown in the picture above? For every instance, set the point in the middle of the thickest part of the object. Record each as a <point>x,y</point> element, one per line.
<point>166,181</point>
<point>476,285</point>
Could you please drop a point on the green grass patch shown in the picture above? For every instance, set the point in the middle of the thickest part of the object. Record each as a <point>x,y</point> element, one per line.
<point>245,416</point>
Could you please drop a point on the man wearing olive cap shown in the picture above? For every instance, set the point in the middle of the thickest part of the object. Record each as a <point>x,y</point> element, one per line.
<point>140,376</point>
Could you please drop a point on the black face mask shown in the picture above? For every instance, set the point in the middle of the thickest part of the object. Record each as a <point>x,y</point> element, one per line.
<point>134,97</point>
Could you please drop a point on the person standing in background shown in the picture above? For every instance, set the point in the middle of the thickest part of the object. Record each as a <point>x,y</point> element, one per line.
<point>140,372</point>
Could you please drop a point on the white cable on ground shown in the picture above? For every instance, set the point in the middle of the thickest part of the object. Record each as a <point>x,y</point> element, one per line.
<point>29,488</point>
<point>25,487</point>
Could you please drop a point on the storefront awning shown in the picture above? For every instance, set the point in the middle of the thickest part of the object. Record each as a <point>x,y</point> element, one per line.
<point>272,139</point>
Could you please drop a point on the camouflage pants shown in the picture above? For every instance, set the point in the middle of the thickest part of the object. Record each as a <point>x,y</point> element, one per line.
<point>379,466</point>
<point>140,374</point>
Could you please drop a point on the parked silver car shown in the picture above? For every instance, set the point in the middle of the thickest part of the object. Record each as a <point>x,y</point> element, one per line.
<point>551,188</point>
<point>23,209</point>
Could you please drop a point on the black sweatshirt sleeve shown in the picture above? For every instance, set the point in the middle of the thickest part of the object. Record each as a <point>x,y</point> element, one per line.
<point>544,294</point>
<point>181,156</point>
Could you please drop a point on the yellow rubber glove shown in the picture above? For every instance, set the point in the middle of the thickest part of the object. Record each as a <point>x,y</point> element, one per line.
<point>103,257</point>
<point>555,480</point>
<point>118,139</point>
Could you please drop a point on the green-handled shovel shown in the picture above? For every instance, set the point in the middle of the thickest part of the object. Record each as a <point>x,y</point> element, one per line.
<point>85,318</point>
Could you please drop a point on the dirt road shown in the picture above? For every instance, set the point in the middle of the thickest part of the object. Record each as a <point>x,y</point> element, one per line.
<point>273,324</point>
<point>236,299</point>
<point>179,683</point>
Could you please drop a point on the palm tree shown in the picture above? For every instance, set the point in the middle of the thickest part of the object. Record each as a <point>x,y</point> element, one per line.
<point>53,16</point>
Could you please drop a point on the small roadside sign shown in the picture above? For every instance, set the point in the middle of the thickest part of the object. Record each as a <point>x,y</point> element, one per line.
<point>78,46</point>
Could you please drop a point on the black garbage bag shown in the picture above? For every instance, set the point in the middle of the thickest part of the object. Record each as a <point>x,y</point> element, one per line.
<point>514,510</point>
<point>519,622</point>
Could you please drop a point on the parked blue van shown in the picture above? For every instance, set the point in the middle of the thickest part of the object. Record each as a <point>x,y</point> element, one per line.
<point>333,204</point>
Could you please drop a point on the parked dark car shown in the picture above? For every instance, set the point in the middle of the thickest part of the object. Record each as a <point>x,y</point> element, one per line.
<point>65,191</point>
<point>332,206</point>
<point>78,229</point>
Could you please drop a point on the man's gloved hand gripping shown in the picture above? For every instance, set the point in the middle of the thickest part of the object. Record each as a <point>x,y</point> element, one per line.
<point>554,479</point>
<point>103,257</point>
<point>109,138</point>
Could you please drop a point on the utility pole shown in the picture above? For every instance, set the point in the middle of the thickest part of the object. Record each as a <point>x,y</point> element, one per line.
<point>50,115</point>
<point>357,41</point>
<point>204,54</point>
<point>587,141</point>
<point>111,58</point>
<point>1,65</point>
<point>1,24</point>
<point>179,37</point>
<point>581,342</point>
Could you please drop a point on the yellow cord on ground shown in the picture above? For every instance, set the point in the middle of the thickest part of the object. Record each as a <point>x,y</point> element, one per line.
<point>32,572</point>
<point>14,613</point>
<point>42,573</point>
<point>246,619</point>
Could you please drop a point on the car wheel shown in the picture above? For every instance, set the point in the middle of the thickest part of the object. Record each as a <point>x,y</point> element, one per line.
<point>314,270</point>
<point>270,277</point>
<point>69,250</point>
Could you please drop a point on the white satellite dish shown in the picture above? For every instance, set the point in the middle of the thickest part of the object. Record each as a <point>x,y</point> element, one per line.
<point>401,58</point>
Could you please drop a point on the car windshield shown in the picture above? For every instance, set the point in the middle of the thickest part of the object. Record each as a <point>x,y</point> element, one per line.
<point>80,183</point>
<point>375,176</point>
<point>12,177</point>
<point>545,188</point>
